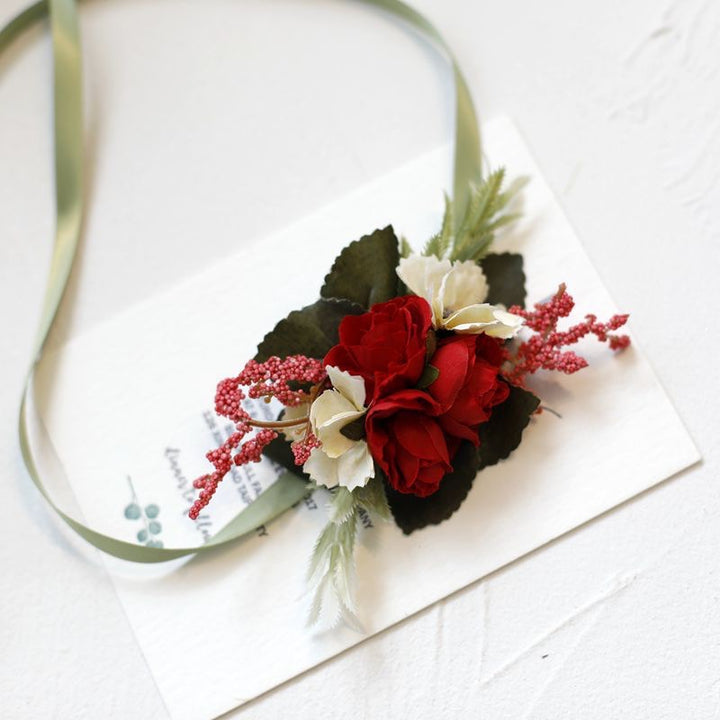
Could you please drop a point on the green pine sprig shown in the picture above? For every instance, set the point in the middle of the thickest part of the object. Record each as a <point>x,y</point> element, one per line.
<point>487,212</point>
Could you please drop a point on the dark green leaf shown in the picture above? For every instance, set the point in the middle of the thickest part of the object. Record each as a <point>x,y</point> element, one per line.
<point>429,376</point>
<point>311,331</point>
<point>365,271</point>
<point>503,432</point>
<point>412,513</point>
<point>506,279</point>
<point>354,430</point>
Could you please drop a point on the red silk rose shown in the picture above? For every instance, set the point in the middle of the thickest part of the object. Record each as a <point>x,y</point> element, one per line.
<point>407,441</point>
<point>386,346</point>
<point>467,387</point>
<point>413,435</point>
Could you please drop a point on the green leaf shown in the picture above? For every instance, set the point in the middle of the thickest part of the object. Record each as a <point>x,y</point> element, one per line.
<point>311,331</point>
<point>439,244</point>
<point>331,568</point>
<point>412,513</point>
<point>503,432</point>
<point>354,430</point>
<point>332,563</point>
<point>365,271</point>
<point>506,279</point>
<point>342,504</point>
<point>344,565</point>
<point>429,376</point>
<point>430,345</point>
<point>487,211</point>
<point>321,552</point>
<point>372,497</point>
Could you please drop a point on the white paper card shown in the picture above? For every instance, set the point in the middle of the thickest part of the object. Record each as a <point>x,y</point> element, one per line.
<point>131,420</point>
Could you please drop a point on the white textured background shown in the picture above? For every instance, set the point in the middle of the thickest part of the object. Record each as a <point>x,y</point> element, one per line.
<point>214,121</point>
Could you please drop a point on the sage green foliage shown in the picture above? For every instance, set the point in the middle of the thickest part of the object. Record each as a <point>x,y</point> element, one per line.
<point>372,498</point>
<point>441,243</point>
<point>364,272</point>
<point>486,212</point>
<point>332,564</point>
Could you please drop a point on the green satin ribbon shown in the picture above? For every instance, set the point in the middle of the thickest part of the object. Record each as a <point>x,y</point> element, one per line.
<point>288,489</point>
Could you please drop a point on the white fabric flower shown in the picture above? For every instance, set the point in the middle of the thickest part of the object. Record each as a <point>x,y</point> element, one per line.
<point>456,293</point>
<point>339,460</point>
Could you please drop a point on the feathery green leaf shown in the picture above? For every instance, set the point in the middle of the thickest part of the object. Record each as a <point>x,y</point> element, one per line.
<point>332,565</point>
<point>487,212</point>
<point>372,498</point>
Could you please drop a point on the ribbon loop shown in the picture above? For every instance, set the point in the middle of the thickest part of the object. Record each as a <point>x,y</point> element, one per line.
<point>68,128</point>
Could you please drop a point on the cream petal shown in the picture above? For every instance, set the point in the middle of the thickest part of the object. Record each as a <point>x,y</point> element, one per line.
<point>464,285</point>
<point>508,318</point>
<point>508,325</point>
<point>329,414</point>
<point>500,331</point>
<point>437,307</point>
<point>321,468</point>
<point>424,276</point>
<point>423,273</point>
<point>472,328</point>
<point>484,318</point>
<point>478,313</point>
<point>336,408</point>
<point>329,433</point>
<point>332,413</point>
<point>353,469</point>
<point>329,404</point>
<point>351,386</point>
<point>356,466</point>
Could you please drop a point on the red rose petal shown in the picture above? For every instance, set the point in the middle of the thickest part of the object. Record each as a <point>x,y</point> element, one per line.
<point>421,436</point>
<point>453,360</point>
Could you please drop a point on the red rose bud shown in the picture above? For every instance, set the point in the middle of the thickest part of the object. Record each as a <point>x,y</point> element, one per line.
<point>468,386</point>
<point>408,443</point>
<point>385,346</point>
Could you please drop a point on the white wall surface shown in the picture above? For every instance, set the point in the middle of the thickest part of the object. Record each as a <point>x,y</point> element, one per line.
<point>246,115</point>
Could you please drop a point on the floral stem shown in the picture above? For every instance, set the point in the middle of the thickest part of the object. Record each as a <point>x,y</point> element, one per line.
<point>278,423</point>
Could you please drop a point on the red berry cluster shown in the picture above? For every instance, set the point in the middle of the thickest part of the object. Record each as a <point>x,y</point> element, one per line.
<point>262,380</point>
<point>544,349</point>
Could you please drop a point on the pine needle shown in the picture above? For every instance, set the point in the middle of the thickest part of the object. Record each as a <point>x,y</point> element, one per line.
<point>486,213</point>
